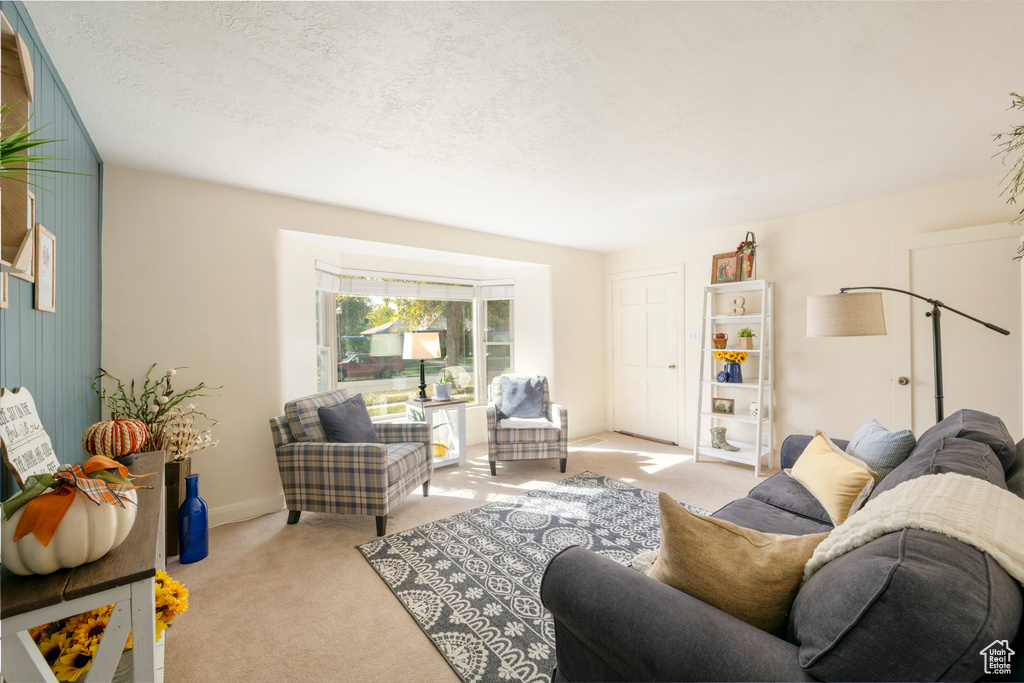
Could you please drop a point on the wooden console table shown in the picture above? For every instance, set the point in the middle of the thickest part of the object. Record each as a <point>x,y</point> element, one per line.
<point>124,577</point>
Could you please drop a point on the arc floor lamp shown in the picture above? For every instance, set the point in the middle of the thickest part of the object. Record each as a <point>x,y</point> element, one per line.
<point>860,315</point>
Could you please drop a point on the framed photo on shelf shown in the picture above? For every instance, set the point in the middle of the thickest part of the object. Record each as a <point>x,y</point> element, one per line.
<point>46,269</point>
<point>725,406</point>
<point>725,268</point>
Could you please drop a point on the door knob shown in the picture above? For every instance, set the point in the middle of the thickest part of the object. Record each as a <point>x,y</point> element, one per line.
<point>672,367</point>
<point>903,381</point>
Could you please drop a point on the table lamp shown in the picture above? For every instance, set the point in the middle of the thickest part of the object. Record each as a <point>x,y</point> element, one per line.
<point>421,346</point>
<point>860,315</point>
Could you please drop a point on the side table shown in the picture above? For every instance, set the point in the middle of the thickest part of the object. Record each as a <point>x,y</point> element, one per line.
<point>124,577</point>
<point>427,411</point>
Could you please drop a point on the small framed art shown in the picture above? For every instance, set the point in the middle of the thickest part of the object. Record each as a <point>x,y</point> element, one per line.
<point>725,268</point>
<point>46,269</point>
<point>725,406</point>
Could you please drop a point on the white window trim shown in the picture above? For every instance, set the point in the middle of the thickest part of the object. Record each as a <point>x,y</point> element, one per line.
<point>482,291</point>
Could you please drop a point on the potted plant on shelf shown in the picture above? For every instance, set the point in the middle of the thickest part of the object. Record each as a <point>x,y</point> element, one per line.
<point>443,387</point>
<point>746,336</point>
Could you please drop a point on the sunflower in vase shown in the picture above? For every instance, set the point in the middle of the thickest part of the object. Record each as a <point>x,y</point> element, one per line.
<point>733,373</point>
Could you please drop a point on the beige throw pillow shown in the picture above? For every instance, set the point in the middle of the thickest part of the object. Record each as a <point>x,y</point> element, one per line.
<point>841,482</point>
<point>749,574</point>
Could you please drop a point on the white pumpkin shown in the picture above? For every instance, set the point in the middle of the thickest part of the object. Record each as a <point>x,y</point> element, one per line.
<point>87,533</point>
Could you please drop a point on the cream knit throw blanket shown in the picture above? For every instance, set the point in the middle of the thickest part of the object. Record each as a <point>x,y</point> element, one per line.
<point>966,508</point>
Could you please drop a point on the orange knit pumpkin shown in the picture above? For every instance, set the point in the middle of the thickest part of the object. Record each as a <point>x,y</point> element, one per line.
<point>115,437</point>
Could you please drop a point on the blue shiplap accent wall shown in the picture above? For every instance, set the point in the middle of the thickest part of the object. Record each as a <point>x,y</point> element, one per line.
<point>55,355</point>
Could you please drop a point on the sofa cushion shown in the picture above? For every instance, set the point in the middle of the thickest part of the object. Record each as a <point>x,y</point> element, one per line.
<point>976,426</point>
<point>348,422</point>
<point>785,492</point>
<point>403,458</point>
<point>303,419</point>
<point>962,456</point>
<point>1015,477</point>
<point>881,449</point>
<point>840,481</point>
<point>521,396</point>
<point>756,514</point>
<point>526,433</point>
<point>748,574</point>
<point>884,611</point>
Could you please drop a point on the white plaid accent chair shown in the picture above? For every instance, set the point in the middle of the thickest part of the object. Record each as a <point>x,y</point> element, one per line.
<point>525,438</point>
<point>347,478</point>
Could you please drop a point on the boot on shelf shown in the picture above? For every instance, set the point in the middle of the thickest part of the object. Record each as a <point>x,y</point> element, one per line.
<point>718,440</point>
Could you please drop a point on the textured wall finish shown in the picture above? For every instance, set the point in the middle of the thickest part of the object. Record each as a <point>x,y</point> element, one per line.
<point>55,355</point>
<point>598,125</point>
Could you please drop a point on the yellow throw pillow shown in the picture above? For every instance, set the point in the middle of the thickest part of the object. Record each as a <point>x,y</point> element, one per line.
<point>749,574</point>
<point>840,481</point>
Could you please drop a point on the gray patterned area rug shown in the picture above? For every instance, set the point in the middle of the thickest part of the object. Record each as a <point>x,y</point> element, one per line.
<point>472,581</point>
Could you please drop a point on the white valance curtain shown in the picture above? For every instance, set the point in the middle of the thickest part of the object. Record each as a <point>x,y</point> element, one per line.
<point>375,283</point>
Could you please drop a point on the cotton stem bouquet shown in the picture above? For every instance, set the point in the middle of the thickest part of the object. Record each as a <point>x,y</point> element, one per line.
<point>159,405</point>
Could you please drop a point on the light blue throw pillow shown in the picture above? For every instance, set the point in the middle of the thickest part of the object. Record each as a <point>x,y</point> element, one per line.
<point>881,449</point>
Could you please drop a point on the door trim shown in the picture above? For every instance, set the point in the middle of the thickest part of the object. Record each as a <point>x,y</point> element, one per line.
<point>902,414</point>
<point>609,279</point>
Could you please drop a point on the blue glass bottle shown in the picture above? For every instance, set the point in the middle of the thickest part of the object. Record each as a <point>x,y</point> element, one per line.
<point>193,524</point>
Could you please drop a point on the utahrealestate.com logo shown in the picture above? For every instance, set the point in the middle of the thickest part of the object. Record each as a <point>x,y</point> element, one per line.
<point>997,657</point>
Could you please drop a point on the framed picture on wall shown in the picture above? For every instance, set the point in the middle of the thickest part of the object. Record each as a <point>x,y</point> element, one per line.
<point>726,406</point>
<point>725,268</point>
<point>46,269</point>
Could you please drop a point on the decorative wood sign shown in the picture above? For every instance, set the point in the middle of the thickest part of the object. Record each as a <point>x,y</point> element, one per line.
<point>24,444</point>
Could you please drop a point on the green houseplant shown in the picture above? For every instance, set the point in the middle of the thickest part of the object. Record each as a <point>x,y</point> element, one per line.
<point>443,386</point>
<point>746,336</point>
<point>14,148</point>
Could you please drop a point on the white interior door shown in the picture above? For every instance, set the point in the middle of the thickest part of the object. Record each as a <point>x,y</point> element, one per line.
<point>645,350</point>
<point>971,270</point>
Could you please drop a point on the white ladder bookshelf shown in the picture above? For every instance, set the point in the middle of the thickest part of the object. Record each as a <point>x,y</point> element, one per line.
<point>756,435</point>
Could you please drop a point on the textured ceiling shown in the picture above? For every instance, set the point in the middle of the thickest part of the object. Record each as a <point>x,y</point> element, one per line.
<point>589,124</point>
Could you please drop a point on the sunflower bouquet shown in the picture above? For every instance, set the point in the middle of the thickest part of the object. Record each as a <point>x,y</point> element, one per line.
<point>731,356</point>
<point>68,645</point>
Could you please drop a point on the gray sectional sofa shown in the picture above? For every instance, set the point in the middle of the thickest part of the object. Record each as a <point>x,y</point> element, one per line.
<point>912,605</point>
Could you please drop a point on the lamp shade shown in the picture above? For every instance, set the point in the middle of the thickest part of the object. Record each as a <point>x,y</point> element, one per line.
<point>421,345</point>
<point>845,315</point>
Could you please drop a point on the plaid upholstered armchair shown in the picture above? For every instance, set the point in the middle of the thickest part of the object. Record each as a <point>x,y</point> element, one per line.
<point>514,438</point>
<point>347,478</point>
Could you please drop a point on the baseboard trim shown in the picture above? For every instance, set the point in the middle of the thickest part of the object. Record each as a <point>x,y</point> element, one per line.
<point>226,514</point>
<point>594,429</point>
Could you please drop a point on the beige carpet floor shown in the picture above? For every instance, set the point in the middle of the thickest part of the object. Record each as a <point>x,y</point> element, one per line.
<point>274,602</point>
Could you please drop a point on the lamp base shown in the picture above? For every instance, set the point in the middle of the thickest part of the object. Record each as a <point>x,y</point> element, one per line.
<point>423,383</point>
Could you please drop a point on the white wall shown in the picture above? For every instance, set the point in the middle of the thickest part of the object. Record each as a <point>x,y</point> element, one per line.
<point>830,384</point>
<point>205,276</point>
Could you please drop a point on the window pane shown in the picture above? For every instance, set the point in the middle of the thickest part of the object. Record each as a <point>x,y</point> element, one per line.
<point>370,339</point>
<point>499,320</point>
<point>499,360</point>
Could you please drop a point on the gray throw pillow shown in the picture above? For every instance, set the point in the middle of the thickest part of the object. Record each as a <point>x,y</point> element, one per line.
<point>348,422</point>
<point>522,397</point>
<point>881,449</point>
<point>1015,477</point>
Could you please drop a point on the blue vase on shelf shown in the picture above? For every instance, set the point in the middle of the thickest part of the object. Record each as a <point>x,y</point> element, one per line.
<point>734,372</point>
<point>193,524</point>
